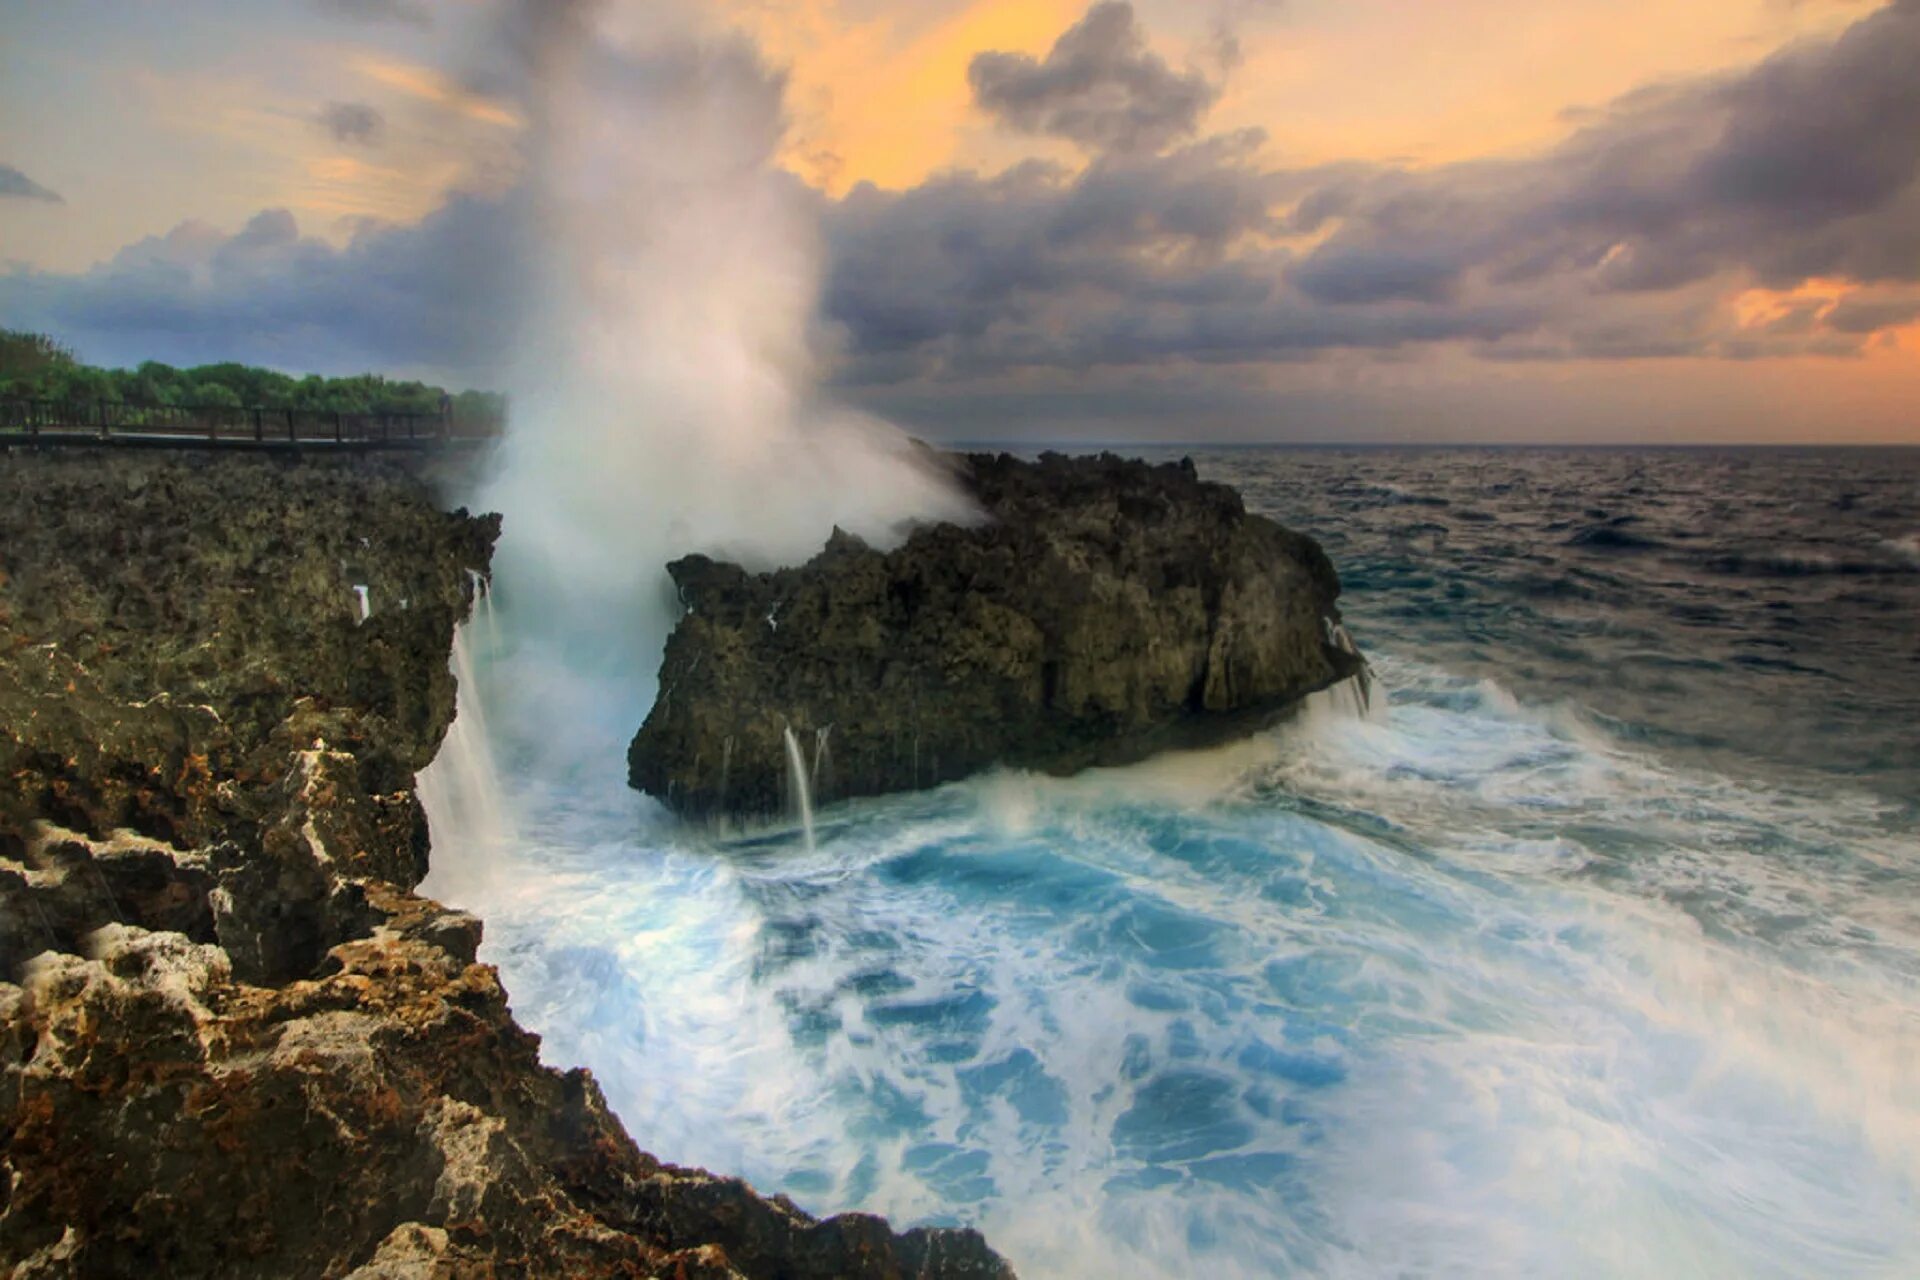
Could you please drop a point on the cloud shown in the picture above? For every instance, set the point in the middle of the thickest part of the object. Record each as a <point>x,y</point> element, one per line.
<point>1634,238</point>
<point>430,296</point>
<point>353,123</point>
<point>17,185</point>
<point>412,12</point>
<point>1660,227</point>
<point>1869,314</point>
<point>1100,87</point>
<point>1806,165</point>
<point>438,89</point>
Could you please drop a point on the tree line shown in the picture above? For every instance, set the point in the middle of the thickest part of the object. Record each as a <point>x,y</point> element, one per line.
<point>34,366</point>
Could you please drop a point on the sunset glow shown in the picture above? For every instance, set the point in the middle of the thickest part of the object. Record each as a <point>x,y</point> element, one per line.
<point>1331,207</point>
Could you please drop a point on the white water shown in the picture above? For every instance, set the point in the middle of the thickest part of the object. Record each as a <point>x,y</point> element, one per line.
<point>1464,989</point>
<point>473,830</point>
<point>1469,989</point>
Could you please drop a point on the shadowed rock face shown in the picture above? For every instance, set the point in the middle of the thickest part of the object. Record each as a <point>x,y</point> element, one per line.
<point>232,1041</point>
<point>1101,610</point>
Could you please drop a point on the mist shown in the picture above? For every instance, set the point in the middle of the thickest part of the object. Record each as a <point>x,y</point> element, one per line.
<point>665,399</point>
<point>665,392</point>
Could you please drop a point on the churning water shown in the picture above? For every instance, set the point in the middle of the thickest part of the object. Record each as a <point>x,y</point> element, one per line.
<point>1591,948</point>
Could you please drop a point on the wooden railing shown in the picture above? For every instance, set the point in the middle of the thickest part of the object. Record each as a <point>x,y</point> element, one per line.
<point>72,422</point>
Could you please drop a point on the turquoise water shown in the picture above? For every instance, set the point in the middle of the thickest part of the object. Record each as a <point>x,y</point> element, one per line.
<point>1592,949</point>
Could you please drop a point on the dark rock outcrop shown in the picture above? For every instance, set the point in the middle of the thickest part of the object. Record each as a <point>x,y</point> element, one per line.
<point>232,1041</point>
<point>1102,610</point>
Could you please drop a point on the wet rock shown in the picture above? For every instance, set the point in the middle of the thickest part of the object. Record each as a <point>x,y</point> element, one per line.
<point>1100,610</point>
<point>232,1041</point>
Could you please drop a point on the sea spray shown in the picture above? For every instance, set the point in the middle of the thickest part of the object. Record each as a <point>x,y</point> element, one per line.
<point>1496,988</point>
<point>664,394</point>
<point>665,399</point>
<point>1327,1001</point>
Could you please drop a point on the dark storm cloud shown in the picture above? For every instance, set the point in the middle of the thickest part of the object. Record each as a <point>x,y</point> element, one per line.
<point>18,186</point>
<point>1807,165</point>
<point>353,122</point>
<point>1142,260</point>
<point>1624,241</point>
<point>422,296</point>
<point>1100,86</point>
<point>1870,315</point>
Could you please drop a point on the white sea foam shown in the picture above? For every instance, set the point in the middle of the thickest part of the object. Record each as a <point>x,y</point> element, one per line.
<point>1466,988</point>
<point>1476,991</point>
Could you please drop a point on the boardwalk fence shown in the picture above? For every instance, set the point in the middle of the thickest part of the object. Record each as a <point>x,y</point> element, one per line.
<point>55,421</point>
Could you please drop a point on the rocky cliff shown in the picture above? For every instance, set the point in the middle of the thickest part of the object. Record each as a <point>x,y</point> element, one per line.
<point>1100,610</point>
<point>232,1041</point>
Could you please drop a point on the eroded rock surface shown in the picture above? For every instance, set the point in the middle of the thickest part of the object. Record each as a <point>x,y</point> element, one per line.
<point>232,1041</point>
<point>1101,610</point>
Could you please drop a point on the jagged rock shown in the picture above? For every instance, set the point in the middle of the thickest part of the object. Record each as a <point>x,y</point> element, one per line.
<point>1101,610</point>
<point>232,1042</point>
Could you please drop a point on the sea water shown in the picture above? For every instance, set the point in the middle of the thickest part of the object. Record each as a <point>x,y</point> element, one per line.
<point>1588,946</point>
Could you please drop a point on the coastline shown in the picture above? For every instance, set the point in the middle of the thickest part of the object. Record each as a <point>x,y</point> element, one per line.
<point>232,1039</point>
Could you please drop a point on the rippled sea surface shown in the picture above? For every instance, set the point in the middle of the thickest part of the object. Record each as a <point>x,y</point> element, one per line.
<point>1591,949</point>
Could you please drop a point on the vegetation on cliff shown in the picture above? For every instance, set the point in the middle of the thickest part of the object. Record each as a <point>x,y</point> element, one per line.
<point>35,367</point>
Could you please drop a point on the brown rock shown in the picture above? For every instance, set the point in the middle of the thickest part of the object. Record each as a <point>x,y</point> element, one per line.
<point>238,1045</point>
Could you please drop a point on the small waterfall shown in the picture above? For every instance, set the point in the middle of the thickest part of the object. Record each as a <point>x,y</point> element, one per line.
<point>1354,695</point>
<point>483,615</point>
<point>819,755</point>
<point>460,790</point>
<point>802,795</point>
<point>365,602</point>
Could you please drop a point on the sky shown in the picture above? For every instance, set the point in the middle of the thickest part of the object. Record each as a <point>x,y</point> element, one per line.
<point>1327,220</point>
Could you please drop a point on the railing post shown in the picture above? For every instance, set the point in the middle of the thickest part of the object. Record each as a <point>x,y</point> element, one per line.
<point>259,431</point>
<point>103,420</point>
<point>338,437</point>
<point>291,436</point>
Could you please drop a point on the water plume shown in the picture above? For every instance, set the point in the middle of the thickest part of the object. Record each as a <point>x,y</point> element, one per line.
<point>666,395</point>
<point>665,392</point>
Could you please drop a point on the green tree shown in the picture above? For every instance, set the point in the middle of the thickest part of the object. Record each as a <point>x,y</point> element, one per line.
<point>35,366</point>
<point>30,355</point>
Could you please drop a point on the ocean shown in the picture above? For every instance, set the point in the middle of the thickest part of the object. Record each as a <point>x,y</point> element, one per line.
<point>1588,946</point>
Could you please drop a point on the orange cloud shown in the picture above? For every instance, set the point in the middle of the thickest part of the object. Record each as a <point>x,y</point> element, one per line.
<point>881,96</point>
<point>433,87</point>
<point>1428,84</point>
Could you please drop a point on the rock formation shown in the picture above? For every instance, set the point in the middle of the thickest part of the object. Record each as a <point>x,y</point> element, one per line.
<point>1100,610</point>
<point>232,1041</point>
